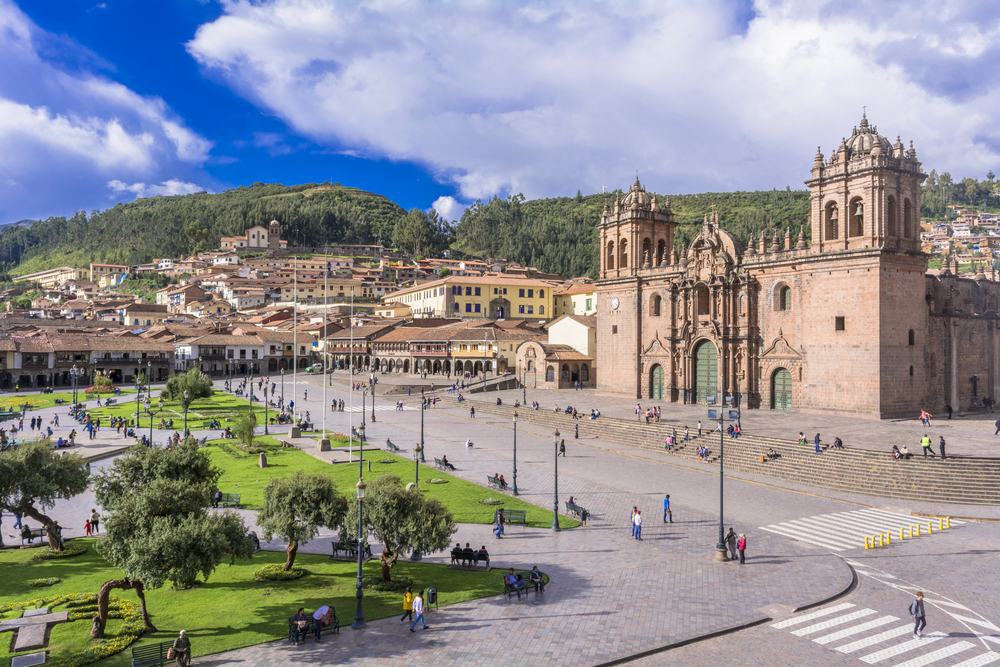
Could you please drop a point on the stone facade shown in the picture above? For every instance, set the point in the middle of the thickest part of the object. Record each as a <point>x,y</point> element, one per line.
<point>852,323</point>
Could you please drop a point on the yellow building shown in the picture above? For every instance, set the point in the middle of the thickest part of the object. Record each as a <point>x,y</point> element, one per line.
<point>491,297</point>
<point>317,288</point>
<point>392,309</point>
<point>575,299</point>
<point>55,277</point>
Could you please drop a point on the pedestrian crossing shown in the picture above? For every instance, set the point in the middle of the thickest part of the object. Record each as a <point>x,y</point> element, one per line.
<point>841,627</point>
<point>841,531</point>
<point>357,409</point>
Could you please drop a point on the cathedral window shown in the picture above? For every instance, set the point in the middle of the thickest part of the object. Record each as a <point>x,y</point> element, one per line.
<point>911,340</point>
<point>839,324</point>
<point>890,216</point>
<point>654,305</point>
<point>831,221</point>
<point>907,218</point>
<point>611,255</point>
<point>856,223</point>
<point>782,297</point>
<point>703,300</point>
<point>622,254</point>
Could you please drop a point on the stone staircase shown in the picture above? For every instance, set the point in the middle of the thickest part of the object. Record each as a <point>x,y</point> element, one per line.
<point>966,480</point>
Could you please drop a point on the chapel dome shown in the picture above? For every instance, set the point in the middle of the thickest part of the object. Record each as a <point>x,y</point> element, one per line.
<point>866,138</point>
<point>636,195</point>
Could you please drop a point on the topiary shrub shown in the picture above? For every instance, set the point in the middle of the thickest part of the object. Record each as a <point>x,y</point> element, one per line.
<point>274,572</point>
<point>491,501</point>
<point>437,481</point>
<point>46,553</point>
<point>376,584</point>
<point>42,583</point>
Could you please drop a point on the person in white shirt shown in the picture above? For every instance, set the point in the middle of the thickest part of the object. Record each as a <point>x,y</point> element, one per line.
<point>418,611</point>
<point>638,524</point>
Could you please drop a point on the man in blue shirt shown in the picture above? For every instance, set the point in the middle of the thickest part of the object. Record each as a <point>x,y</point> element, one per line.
<point>667,514</point>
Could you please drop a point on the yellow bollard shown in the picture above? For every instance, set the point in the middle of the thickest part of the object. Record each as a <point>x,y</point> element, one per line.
<point>881,540</point>
<point>930,527</point>
<point>888,539</point>
<point>918,530</point>
<point>901,535</point>
<point>866,542</point>
<point>948,520</point>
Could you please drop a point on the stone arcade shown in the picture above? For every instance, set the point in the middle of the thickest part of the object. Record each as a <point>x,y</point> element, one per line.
<point>852,323</point>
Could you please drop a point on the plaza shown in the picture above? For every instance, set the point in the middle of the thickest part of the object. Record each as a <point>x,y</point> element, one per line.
<point>612,598</point>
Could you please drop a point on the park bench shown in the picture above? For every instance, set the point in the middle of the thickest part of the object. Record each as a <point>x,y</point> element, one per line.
<point>311,625</point>
<point>512,516</point>
<point>440,463</point>
<point>36,532</point>
<point>582,513</point>
<point>390,446</point>
<point>306,426</point>
<point>111,401</point>
<point>350,549</point>
<point>230,499</point>
<point>470,557</point>
<point>494,482</point>
<point>526,584</point>
<point>151,654</point>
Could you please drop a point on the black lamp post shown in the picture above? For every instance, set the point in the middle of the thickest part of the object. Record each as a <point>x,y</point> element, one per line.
<point>282,388</point>
<point>186,394</point>
<point>721,554</point>
<point>423,403</point>
<point>555,497</point>
<point>138,395</point>
<point>265,413</point>
<point>524,388</point>
<point>152,414</point>
<point>373,396</point>
<point>514,490</point>
<point>359,614</point>
<point>417,450</point>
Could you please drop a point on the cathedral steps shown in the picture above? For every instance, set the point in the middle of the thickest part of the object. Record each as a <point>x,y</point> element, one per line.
<point>966,480</point>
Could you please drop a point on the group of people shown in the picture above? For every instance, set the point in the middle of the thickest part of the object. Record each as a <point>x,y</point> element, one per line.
<point>337,405</point>
<point>736,544</point>
<point>514,582</point>
<point>652,414</point>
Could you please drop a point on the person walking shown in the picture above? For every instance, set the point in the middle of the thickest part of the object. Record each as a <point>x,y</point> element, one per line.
<point>95,520</point>
<point>687,434</point>
<point>668,516</point>
<point>816,442</point>
<point>498,529</point>
<point>407,605</point>
<point>638,525</point>
<point>917,612</point>
<point>941,444</point>
<point>741,546</point>
<point>576,432</point>
<point>699,428</point>
<point>418,609</point>
<point>731,544</point>
<point>631,518</point>
<point>925,444</point>
<point>472,412</point>
<point>562,448</point>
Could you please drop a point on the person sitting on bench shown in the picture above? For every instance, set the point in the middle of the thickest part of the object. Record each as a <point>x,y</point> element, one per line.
<point>512,581</point>
<point>503,483</point>
<point>26,533</point>
<point>536,579</point>
<point>445,464</point>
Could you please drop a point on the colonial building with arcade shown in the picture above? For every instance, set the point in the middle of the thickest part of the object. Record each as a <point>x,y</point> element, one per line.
<point>851,322</point>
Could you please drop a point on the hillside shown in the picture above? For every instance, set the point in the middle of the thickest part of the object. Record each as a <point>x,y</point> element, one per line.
<point>170,226</point>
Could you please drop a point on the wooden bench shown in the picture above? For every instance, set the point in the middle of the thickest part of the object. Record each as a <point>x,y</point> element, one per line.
<point>307,426</point>
<point>151,654</point>
<point>443,465</point>
<point>580,512</point>
<point>311,625</point>
<point>526,583</point>
<point>513,516</point>
<point>390,446</point>
<point>350,549</point>
<point>495,483</point>
<point>230,499</point>
<point>470,556</point>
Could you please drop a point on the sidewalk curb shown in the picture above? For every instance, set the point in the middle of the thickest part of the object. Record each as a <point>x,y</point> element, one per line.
<point>736,628</point>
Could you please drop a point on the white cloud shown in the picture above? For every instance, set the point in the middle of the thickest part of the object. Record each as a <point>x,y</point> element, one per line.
<point>449,208</point>
<point>548,98</point>
<point>164,189</point>
<point>66,132</point>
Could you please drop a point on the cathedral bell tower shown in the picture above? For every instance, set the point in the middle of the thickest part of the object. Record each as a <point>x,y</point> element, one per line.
<point>637,232</point>
<point>867,195</point>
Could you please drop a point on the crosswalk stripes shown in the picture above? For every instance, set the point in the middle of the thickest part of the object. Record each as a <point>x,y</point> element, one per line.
<point>884,646</point>
<point>378,408</point>
<point>841,531</point>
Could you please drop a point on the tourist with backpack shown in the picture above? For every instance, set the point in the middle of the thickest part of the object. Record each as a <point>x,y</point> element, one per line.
<point>917,612</point>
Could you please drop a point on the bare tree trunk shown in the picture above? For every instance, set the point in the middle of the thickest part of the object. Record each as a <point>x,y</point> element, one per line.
<point>55,541</point>
<point>387,563</point>
<point>103,600</point>
<point>140,591</point>
<point>292,549</point>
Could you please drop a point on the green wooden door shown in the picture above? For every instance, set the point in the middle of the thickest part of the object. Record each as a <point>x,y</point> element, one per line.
<point>781,390</point>
<point>706,371</point>
<point>656,382</point>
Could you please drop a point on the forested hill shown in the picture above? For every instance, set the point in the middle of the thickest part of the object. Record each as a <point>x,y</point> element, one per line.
<point>560,235</point>
<point>171,226</point>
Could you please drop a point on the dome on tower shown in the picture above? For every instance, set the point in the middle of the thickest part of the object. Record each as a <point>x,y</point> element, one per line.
<point>866,138</point>
<point>636,196</point>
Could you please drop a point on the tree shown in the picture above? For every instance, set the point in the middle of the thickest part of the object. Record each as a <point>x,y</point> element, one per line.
<point>158,527</point>
<point>402,520</point>
<point>295,508</point>
<point>197,384</point>
<point>245,428</point>
<point>444,273</point>
<point>34,475</point>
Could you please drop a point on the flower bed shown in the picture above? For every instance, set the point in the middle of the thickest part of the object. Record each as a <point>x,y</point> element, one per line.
<point>100,389</point>
<point>274,572</point>
<point>84,606</point>
<point>42,583</point>
<point>376,584</point>
<point>46,553</point>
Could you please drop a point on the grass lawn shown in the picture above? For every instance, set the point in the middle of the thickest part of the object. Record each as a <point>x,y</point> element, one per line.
<point>232,609</point>
<point>39,401</point>
<point>243,476</point>
<point>201,411</point>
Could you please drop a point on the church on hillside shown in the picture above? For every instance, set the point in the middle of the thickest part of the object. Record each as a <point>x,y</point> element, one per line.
<point>850,323</point>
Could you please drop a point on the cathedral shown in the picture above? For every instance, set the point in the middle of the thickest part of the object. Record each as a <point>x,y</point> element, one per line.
<point>850,323</point>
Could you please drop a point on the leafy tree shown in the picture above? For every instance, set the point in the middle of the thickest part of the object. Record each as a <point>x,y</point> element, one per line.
<point>444,273</point>
<point>158,527</point>
<point>295,508</point>
<point>34,476</point>
<point>197,384</point>
<point>402,520</point>
<point>245,428</point>
<point>101,380</point>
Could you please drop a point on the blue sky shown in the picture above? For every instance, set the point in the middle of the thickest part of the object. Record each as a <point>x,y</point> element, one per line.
<point>437,104</point>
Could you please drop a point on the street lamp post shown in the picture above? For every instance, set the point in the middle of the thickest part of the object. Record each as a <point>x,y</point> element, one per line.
<point>152,413</point>
<point>422,404</point>
<point>524,388</point>
<point>373,397</point>
<point>359,614</point>
<point>514,490</point>
<point>186,394</point>
<point>555,497</point>
<point>138,395</point>
<point>721,554</point>
<point>417,449</point>
<point>250,387</point>
<point>265,413</point>
<point>282,388</point>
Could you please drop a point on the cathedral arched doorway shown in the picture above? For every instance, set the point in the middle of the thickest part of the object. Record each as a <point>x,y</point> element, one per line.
<point>781,390</point>
<point>656,382</point>
<point>706,371</point>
